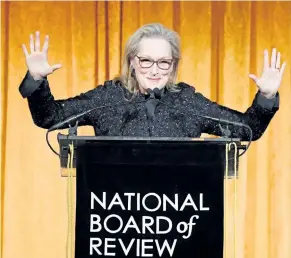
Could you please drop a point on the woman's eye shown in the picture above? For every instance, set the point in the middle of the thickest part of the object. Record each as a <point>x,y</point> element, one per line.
<point>165,62</point>
<point>145,60</point>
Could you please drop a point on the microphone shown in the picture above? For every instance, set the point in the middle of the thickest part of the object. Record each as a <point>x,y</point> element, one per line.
<point>155,95</point>
<point>151,105</point>
<point>156,92</point>
<point>75,117</point>
<point>70,119</point>
<point>73,130</point>
<point>223,121</point>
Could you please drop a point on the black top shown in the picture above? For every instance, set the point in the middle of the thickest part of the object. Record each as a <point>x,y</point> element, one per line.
<point>174,117</point>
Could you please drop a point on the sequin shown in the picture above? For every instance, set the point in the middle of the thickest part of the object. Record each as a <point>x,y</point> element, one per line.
<point>177,114</point>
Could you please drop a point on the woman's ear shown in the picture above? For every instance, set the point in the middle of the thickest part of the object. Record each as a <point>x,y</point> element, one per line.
<point>131,64</point>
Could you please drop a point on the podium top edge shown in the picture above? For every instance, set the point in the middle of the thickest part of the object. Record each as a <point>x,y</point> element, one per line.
<point>146,139</point>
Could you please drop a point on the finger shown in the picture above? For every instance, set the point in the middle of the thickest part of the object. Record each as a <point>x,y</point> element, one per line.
<point>282,69</point>
<point>278,60</point>
<point>253,77</point>
<point>37,42</point>
<point>266,59</point>
<point>45,44</point>
<point>31,43</point>
<point>273,58</point>
<point>56,66</point>
<point>25,51</point>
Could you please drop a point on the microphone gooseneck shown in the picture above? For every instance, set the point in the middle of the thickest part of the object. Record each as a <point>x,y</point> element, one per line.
<point>223,121</point>
<point>151,102</point>
<point>74,118</point>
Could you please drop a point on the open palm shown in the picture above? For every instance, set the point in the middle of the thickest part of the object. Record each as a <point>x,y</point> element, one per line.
<point>271,78</point>
<point>36,61</point>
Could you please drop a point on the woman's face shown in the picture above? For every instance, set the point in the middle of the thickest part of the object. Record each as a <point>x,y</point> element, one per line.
<point>150,75</point>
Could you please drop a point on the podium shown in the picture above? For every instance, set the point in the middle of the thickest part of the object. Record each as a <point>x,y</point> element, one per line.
<point>149,197</point>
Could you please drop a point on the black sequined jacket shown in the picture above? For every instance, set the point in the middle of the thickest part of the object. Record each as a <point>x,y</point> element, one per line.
<point>174,117</point>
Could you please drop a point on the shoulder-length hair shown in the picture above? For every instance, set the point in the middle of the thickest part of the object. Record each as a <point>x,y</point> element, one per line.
<point>153,30</point>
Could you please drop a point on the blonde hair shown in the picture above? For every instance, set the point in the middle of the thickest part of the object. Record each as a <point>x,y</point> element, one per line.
<point>153,30</point>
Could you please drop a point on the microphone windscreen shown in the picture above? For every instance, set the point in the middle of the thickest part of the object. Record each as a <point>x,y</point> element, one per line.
<point>157,93</point>
<point>149,91</point>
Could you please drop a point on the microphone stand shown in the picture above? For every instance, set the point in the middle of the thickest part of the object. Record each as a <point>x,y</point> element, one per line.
<point>73,130</point>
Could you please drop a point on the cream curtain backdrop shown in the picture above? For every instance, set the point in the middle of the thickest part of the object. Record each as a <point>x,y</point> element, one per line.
<point>222,42</point>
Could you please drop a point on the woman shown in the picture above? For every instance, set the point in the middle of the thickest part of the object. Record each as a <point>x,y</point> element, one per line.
<point>150,63</point>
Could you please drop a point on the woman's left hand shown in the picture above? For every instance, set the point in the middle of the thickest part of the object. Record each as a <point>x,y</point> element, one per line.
<point>271,78</point>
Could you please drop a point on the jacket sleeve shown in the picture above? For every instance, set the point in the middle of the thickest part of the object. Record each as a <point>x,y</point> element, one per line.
<point>257,116</point>
<point>46,111</point>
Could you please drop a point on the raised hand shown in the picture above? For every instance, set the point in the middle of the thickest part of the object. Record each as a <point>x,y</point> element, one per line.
<point>36,61</point>
<point>271,78</point>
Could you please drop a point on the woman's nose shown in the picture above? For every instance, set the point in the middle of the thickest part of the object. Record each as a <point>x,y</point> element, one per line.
<point>155,68</point>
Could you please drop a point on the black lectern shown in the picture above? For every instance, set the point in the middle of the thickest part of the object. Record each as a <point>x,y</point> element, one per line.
<point>149,197</point>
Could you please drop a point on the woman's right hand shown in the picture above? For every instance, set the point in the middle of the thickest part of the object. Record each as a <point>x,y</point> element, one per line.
<point>36,61</point>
